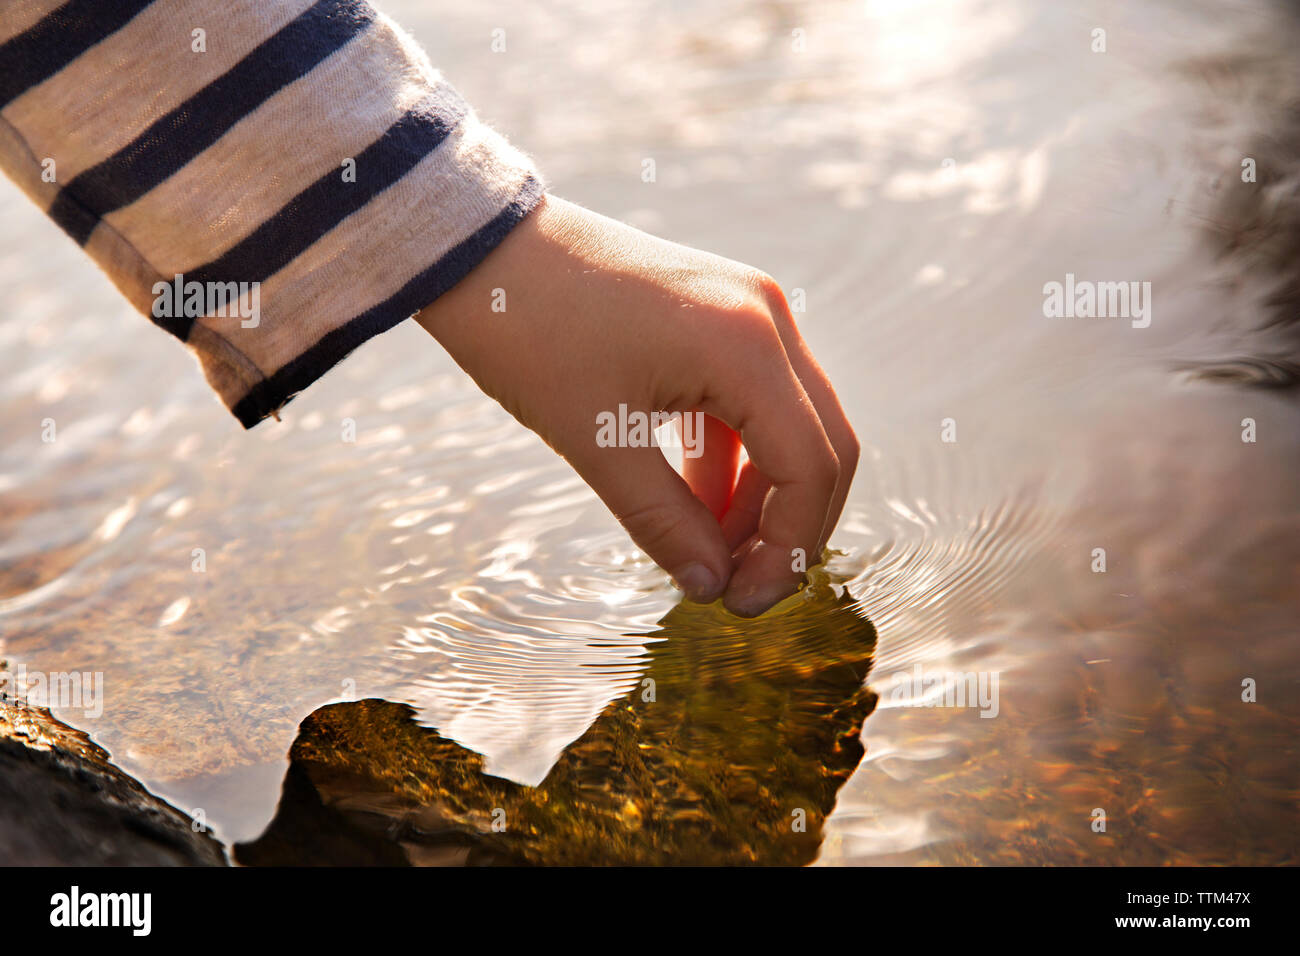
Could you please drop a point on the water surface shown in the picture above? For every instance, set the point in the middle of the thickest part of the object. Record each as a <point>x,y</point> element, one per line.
<point>919,170</point>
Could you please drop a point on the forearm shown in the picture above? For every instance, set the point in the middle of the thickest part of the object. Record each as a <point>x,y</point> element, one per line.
<point>304,151</point>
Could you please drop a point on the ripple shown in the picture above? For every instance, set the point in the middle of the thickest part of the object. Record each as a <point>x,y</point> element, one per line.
<point>1251,372</point>
<point>448,562</point>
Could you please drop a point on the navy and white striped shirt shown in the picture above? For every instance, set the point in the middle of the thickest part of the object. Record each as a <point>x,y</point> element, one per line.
<point>301,154</point>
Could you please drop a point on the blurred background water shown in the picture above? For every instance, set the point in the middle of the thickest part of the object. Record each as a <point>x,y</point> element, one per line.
<point>920,170</point>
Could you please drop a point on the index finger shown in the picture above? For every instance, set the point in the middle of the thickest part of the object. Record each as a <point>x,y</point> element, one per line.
<point>764,401</point>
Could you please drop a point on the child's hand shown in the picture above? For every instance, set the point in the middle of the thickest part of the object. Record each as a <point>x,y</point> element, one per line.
<point>598,314</point>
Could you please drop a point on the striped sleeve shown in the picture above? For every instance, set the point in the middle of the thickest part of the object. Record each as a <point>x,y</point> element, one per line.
<point>272,181</point>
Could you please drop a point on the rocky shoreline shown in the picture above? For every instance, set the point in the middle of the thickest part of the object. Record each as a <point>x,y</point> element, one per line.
<point>63,803</point>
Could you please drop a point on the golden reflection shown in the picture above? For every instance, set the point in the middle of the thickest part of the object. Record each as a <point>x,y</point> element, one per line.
<point>729,749</point>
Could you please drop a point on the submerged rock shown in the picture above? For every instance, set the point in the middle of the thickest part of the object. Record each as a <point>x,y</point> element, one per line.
<point>730,750</point>
<point>63,802</point>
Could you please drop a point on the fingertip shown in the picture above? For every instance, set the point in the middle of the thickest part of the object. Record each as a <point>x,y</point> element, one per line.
<point>700,583</point>
<point>764,579</point>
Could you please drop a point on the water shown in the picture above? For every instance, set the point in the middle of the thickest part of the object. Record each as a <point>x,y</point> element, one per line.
<point>447,560</point>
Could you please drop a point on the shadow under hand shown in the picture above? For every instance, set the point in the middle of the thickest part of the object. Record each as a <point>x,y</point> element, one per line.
<point>730,750</point>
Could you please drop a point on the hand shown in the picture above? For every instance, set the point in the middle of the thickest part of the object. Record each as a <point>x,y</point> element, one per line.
<point>597,315</point>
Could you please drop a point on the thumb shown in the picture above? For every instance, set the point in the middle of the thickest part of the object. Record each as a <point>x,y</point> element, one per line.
<point>661,514</point>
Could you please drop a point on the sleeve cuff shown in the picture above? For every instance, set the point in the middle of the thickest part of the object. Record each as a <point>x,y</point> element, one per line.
<point>306,182</point>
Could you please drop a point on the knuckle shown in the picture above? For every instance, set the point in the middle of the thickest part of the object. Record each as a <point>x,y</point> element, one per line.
<point>767,287</point>
<point>825,472</point>
<point>771,295</point>
<point>654,525</point>
<point>849,451</point>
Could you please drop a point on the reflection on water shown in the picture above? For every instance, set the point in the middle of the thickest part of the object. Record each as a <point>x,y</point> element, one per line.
<point>920,170</point>
<point>730,749</point>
